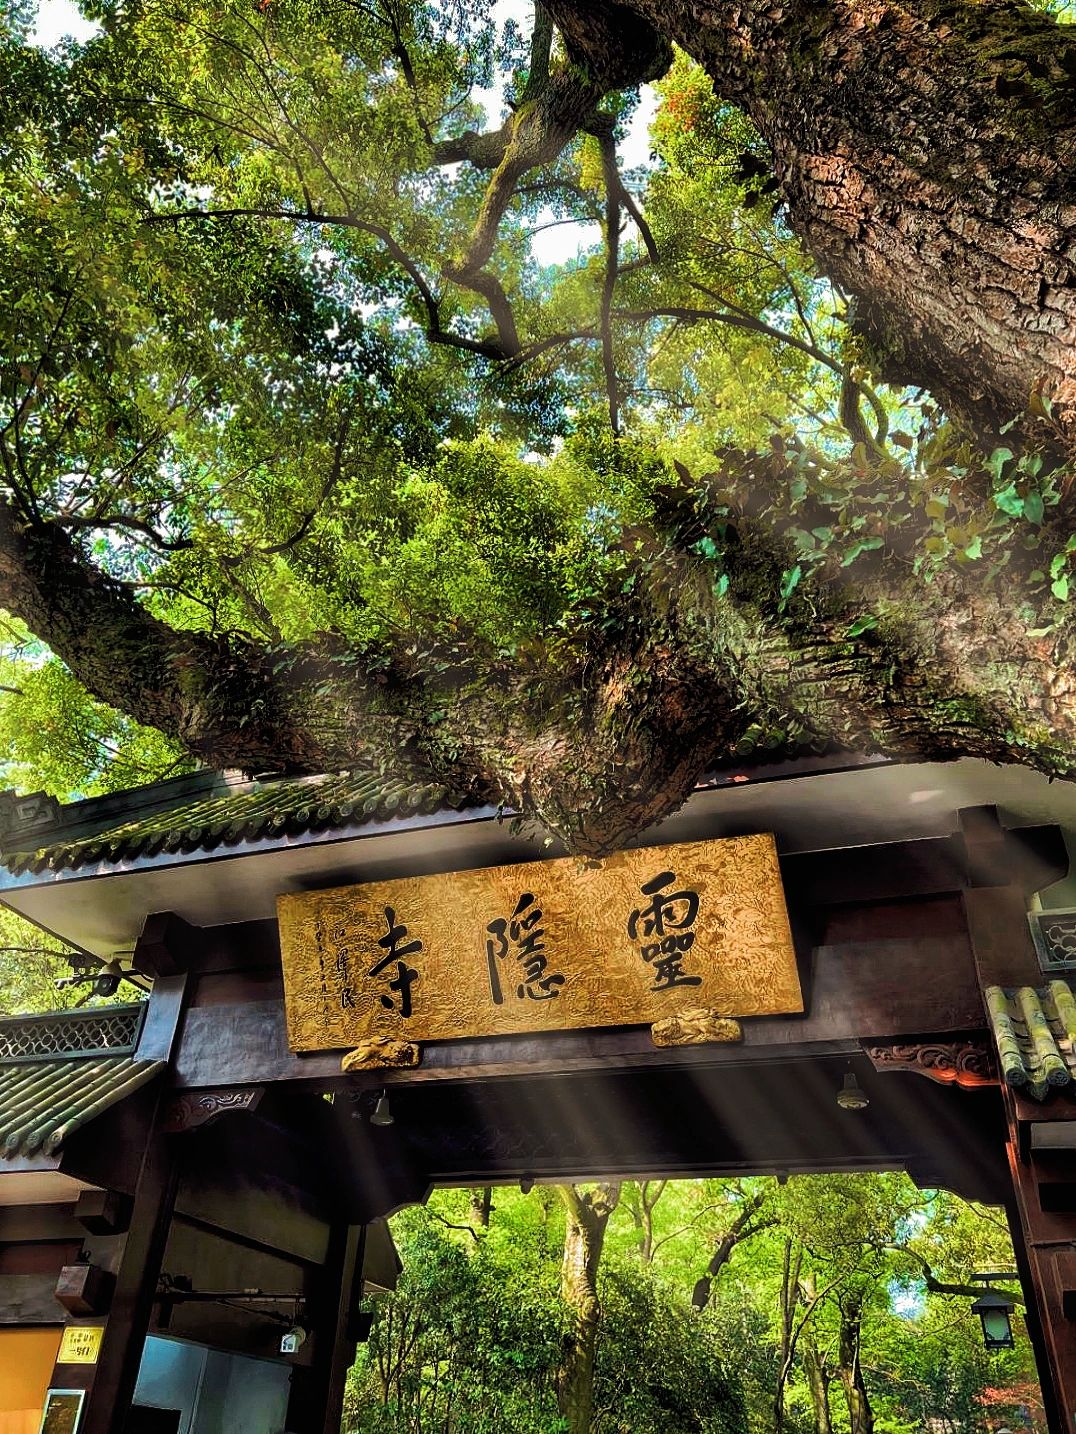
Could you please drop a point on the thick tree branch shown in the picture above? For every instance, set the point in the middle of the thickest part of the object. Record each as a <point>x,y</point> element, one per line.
<point>79,522</point>
<point>556,105</point>
<point>605,729</point>
<point>613,191</point>
<point>501,348</point>
<point>942,1287</point>
<point>927,160</point>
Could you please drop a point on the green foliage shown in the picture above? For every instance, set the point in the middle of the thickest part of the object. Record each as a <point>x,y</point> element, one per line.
<point>239,375</point>
<point>468,1341</point>
<point>660,1369</point>
<point>30,965</point>
<point>223,233</point>
<point>472,1338</point>
<point>55,736</point>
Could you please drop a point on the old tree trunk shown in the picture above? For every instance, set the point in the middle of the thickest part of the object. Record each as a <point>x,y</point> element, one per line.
<point>926,155</point>
<point>926,152</point>
<point>587,1216</point>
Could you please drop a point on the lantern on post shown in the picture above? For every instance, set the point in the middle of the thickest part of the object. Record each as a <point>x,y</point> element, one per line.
<point>994,1310</point>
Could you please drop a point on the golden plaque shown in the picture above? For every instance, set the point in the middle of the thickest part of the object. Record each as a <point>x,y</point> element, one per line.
<point>80,1344</point>
<point>546,945</point>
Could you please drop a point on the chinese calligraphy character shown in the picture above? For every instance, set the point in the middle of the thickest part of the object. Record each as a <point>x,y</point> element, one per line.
<point>343,941</point>
<point>395,950</point>
<point>523,931</point>
<point>668,920</point>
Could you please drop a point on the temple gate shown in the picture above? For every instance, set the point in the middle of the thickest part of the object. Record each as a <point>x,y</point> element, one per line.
<point>188,1225</point>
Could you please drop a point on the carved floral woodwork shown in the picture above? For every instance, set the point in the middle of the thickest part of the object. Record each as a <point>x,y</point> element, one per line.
<point>189,1111</point>
<point>967,1063</point>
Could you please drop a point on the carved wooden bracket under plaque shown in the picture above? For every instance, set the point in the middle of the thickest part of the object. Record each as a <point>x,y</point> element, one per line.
<point>188,1112</point>
<point>382,1053</point>
<point>570,944</point>
<point>967,1063</point>
<point>695,1027</point>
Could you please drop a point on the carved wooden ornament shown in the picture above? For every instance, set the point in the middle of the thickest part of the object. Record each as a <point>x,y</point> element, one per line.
<point>195,1108</point>
<point>554,945</point>
<point>966,1063</point>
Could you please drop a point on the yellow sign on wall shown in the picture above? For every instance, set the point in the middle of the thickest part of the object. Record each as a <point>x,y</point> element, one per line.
<point>80,1344</point>
<point>545,945</point>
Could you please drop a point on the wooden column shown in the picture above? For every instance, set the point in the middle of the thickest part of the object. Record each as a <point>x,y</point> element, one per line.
<point>114,1376</point>
<point>1037,1315</point>
<point>1043,1212</point>
<point>317,1393</point>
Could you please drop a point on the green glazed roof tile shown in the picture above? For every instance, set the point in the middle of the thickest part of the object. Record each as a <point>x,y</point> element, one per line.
<point>42,1103</point>
<point>243,812</point>
<point>208,812</point>
<point>1035,1031</point>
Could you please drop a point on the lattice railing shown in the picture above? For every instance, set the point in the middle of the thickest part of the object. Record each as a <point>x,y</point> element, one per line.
<point>1054,934</point>
<point>110,1030</point>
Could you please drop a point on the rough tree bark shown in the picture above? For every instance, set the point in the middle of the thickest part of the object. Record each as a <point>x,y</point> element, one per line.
<point>588,1215</point>
<point>815,1366</point>
<point>791,1263</point>
<point>849,1368</point>
<point>482,1205</point>
<point>602,733</point>
<point>926,153</point>
<point>818,1382</point>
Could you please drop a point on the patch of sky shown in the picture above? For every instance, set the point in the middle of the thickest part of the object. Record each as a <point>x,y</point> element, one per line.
<point>907,1298</point>
<point>59,20</point>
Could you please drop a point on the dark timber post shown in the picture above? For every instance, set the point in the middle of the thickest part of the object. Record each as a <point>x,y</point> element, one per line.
<point>110,1383</point>
<point>1044,1241</point>
<point>317,1393</point>
<point>109,1399</point>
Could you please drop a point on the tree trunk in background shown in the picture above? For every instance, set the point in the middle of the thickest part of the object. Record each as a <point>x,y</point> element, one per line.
<point>740,1229</point>
<point>818,1382</point>
<point>860,1414</point>
<point>645,1197</point>
<point>481,1205</point>
<point>588,1215</point>
<point>815,1367</point>
<point>791,1263</point>
<point>926,153</point>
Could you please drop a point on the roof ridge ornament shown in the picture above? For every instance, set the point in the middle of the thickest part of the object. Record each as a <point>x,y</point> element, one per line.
<point>28,812</point>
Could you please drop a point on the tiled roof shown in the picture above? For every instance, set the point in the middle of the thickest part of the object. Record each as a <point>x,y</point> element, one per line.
<point>210,811</point>
<point>44,1102</point>
<point>1035,1028</point>
<point>223,814</point>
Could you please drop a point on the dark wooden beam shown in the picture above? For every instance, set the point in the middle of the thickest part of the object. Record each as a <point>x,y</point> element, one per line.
<point>84,1289</point>
<point>24,1223</point>
<point>995,906</point>
<point>1029,858</point>
<point>103,1212</point>
<point>167,945</point>
<point>30,1299</point>
<point>883,986</point>
<point>1044,1240</point>
<point>1000,938</point>
<point>1055,1420</point>
<point>163,1015</point>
